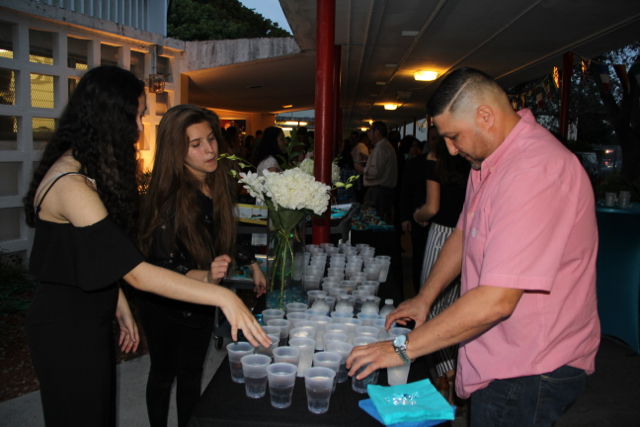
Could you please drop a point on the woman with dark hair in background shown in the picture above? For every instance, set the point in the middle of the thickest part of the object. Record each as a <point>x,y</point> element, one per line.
<point>271,146</point>
<point>446,186</point>
<point>184,230</point>
<point>83,202</point>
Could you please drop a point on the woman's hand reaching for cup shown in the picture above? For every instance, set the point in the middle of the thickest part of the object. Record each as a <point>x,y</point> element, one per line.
<point>218,269</point>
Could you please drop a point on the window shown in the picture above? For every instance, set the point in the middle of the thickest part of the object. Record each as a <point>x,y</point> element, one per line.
<point>9,177</point>
<point>43,129</point>
<point>109,55</point>
<point>10,220</point>
<point>137,64</point>
<point>7,87</point>
<point>41,47</point>
<point>163,66</point>
<point>6,40</point>
<point>77,53</point>
<point>8,133</point>
<point>42,92</point>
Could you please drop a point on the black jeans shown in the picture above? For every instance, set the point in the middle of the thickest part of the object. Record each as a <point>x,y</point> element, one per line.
<point>175,351</point>
<point>536,401</point>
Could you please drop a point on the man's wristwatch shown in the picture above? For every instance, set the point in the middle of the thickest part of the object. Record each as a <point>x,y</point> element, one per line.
<point>400,345</point>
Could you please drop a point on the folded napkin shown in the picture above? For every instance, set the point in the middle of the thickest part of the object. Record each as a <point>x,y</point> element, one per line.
<point>368,406</point>
<point>429,403</point>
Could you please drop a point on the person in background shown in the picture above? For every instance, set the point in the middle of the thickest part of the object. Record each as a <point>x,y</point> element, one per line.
<point>381,173</point>
<point>186,225</point>
<point>346,195</point>
<point>248,147</point>
<point>272,146</point>
<point>446,185</point>
<point>83,202</point>
<point>232,137</point>
<point>526,244</point>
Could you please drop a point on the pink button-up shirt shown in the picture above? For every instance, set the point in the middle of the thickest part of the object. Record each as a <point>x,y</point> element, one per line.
<point>529,223</point>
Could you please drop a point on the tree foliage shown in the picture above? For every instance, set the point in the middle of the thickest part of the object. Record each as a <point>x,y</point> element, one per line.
<point>192,20</point>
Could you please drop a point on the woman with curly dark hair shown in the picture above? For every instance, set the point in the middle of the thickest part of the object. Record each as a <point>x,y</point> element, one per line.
<point>82,202</point>
<point>186,221</point>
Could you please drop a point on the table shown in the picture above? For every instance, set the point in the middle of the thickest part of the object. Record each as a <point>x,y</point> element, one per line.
<point>224,403</point>
<point>618,273</point>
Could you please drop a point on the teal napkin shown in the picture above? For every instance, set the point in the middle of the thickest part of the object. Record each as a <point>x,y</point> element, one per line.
<point>368,406</point>
<point>430,403</point>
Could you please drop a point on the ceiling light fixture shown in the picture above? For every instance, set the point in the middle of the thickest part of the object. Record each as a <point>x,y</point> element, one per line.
<point>364,129</point>
<point>425,76</point>
<point>287,106</point>
<point>390,107</point>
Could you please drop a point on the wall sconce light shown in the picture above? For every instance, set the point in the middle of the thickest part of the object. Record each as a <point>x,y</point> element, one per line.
<point>425,76</point>
<point>390,107</point>
<point>364,129</point>
<point>156,83</point>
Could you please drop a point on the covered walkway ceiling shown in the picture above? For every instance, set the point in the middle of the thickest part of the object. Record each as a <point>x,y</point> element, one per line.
<point>512,40</point>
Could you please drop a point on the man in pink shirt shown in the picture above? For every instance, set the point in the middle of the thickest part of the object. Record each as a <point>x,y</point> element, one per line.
<point>526,245</point>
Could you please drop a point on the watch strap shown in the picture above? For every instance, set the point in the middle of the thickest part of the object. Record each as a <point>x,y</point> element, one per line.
<point>402,353</point>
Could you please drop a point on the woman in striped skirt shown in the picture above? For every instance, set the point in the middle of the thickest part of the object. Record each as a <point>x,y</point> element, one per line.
<point>446,186</point>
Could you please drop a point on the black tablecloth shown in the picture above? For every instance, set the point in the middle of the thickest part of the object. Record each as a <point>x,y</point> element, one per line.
<point>224,403</point>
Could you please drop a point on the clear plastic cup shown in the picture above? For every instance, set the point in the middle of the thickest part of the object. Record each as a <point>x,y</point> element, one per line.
<point>398,374</point>
<point>307,347</point>
<point>319,384</point>
<point>330,337</point>
<point>313,294</point>
<point>236,351</point>
<point>254,369</point>
<point>268,351</point>
<point>286,354</point>
<point>322,321</point>
<point>337,315</point>
<point>271,313</point>
<point>283,325</point>
<point>312,281</point>
<point>295,307</point>
<point>374,283</point>
<point>368,331</point>
<point>294,317</point>
<point>336,327</point>
<point>384,271</point>
<point>394,332</point>
<point>360,385</point>
<point>344,350</point>
<point>282,379</point>
<point>328,359</point>
<point>302,333</point>
<point>367,319</point>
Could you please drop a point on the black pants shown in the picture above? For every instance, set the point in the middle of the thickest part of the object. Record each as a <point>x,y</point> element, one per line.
<point>177,352</point>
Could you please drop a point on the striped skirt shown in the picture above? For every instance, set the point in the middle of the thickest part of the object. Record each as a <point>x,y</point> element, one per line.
<point>447,357</point>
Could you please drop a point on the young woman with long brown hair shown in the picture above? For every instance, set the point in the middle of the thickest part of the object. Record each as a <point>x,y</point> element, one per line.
<point>187,225</point>
<point>83,203</point>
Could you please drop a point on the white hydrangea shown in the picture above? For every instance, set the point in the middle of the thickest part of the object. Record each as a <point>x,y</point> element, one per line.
<point>291,189</point>
<point>307,166</point>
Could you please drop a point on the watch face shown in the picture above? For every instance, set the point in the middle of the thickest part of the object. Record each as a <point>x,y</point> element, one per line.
<point>399,341</point>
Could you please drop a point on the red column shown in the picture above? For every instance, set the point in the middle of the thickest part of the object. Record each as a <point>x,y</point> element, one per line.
<point>337,84</point>
<point>325,41</point>
<point>565,92</point>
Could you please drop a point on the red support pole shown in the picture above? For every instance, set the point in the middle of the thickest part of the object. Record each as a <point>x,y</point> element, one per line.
<point>565,93</point>
<point>325,41</point>
<point>337,83</point>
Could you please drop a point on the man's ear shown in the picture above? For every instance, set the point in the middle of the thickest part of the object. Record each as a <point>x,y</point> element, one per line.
<point>485,117</point>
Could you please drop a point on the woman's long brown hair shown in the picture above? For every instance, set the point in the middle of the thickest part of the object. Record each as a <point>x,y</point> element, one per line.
<point>172,193</point>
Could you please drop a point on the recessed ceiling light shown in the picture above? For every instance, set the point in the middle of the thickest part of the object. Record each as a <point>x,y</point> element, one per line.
<point>425,75</point>
<point>381,83</point>
<point>364,129</point>
<point>287,106</point>
<point>410,33</point>
<point>390,107</point>
<point>391,65</point>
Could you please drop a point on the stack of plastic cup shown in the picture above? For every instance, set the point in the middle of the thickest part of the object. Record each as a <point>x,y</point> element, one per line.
<point>322,321</point>
<point>311,281</point>
<point>296,307</point>
<point>254,369</point>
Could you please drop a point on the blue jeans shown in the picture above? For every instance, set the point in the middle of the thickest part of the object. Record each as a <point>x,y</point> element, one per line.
<point>537,400</point>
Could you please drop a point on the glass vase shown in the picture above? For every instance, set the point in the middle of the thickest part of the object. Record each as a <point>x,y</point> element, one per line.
<point>286,266</point>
